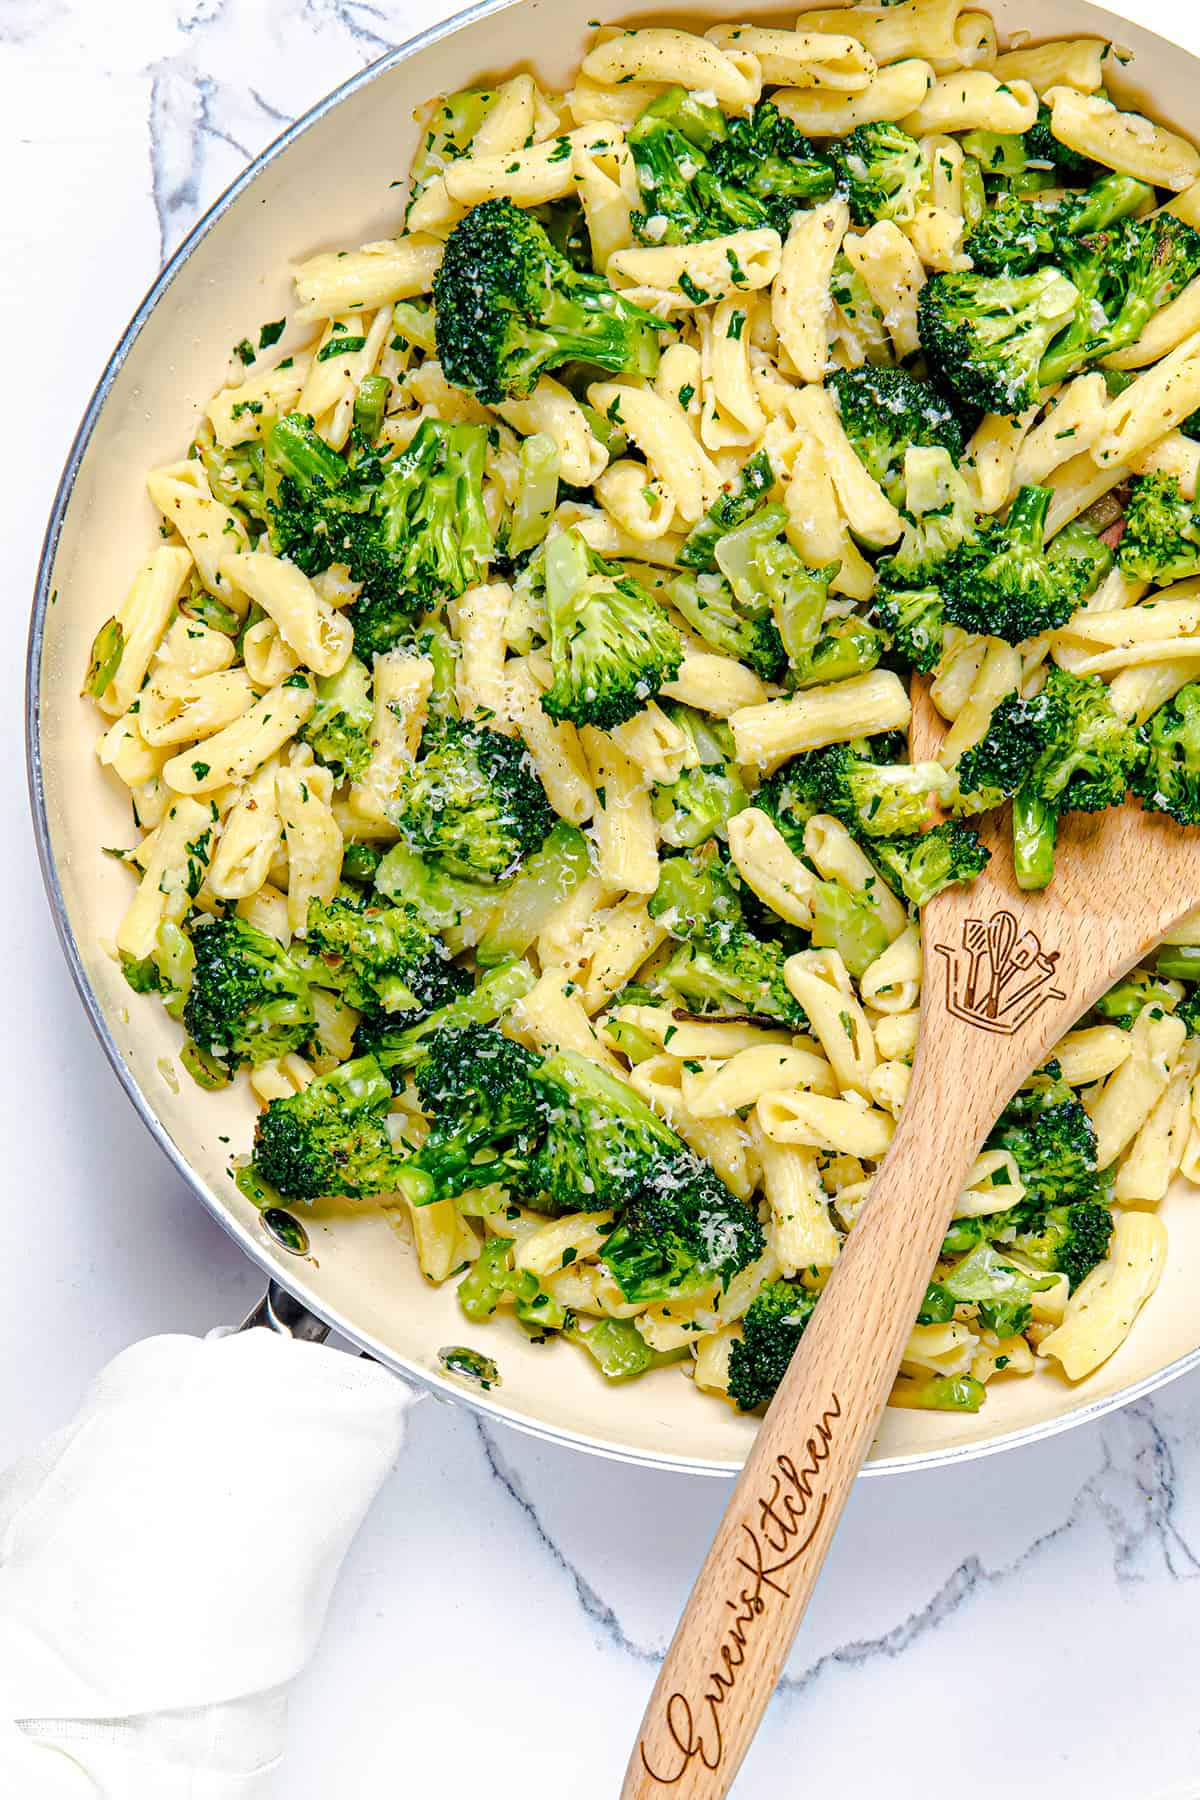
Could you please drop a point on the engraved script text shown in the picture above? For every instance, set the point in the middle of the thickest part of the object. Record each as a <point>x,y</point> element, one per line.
<point>783,1523</point>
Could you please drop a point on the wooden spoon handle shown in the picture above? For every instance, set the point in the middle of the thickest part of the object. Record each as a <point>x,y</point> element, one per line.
<point>736,1631</point>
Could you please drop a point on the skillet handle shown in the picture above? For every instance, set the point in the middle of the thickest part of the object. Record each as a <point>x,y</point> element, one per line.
<point>282,1312</point>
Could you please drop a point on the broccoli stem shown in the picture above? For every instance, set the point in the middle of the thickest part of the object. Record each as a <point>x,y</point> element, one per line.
<point>436,643</point>
<point>1027,516</point>
<point>851,647</point>
<point>1178,962</point>
<point>974,193</point>
<point>619,1350</point>
<point>548,876</point>
<point>798,601</point>
<point>848,923</point>
<point>939,1393</point>
<point>1034,826</point>
<point>488,1282</point>
<point>369,404</point>
<point>537,492</point>
<point>398,1051</point>
<point>1002,155</point>
<point>447,901</point>
<point>295,449</point>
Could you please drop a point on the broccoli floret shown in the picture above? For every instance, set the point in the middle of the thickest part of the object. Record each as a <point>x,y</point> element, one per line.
<point>882,170</point>
<point>1052,1141</point>
<point>726,969</point>
<point>765,157</point>
<point>691,892</point>
<point>489,1282</point>
<point>319,505</point>
<point>880,799</point>
<point>398,1045</point>
<point>772,1328</point>
<point>1086,765</point>
<point>331,1137</point>
<point>1168,778</point>
<point>339,729</point>
<point>736,617</point>
<point>1012,237</point>
<point>709,605</point>
<point>249,1000</point>
<point>1016,235</point>
<point>603,1144</point>
<point>984,336</point>
<point>749,490</point>
<point>432,522</point>
<point>1189,1011</point>
<point>992,770</point>
<point>761,605</point>
<point>1154,259</point>
<point>380,959</point>
<point>1069,167</point>
<point>1004,583</point>
<point>1161,539</point>
<point>1122,275</point>
<point>619,1350</point>
<point>704,176</point>
<point>488,1115</point>
<point>681,1234</point>
<point>1068,1240</point>
<point>493,1281</point>
<point>793,793</point>
<point>1004,164</point>
<point>381,621</point>
<point>699,804</point>
<point>938,517</point>
<point>915,620</point>
<point>1065,750</point>
<point>1060,1223</point>
<point>510,307</point>
<point>923,864</point>
<point>789,799</point>
<point>1080,542</point>
<point>442,898</point>
<point>611,644</point>
<point>237,478</point>
<point>413,530</point>
<point>683,200</point>
<point>848,923</point>
<point>473,801</point>
<point>885,413</point>
<point>1001,1293</point>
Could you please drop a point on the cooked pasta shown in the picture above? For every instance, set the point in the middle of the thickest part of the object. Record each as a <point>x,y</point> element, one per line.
<point>512,705</point>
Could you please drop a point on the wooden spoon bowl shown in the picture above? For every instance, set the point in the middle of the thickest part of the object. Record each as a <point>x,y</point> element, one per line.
<point>1004,975</point>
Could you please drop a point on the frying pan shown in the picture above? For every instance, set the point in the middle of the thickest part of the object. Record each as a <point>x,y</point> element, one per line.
<point>327,182</point>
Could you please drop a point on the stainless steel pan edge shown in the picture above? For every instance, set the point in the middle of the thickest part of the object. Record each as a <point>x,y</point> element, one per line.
<point>270,1262</point>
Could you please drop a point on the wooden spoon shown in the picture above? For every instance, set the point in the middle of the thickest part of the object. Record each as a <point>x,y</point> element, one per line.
<point>1122,879</point>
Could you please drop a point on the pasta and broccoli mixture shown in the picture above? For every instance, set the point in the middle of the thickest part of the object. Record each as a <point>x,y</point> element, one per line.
<point>514,710</point>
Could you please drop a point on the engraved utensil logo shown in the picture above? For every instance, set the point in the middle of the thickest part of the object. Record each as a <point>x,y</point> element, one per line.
<point>998,976</point>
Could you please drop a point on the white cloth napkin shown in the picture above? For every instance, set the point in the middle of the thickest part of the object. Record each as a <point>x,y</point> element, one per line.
<point>166,1562</point>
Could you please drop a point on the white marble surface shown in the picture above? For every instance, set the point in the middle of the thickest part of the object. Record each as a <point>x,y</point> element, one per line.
<point>1022,1625</point>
